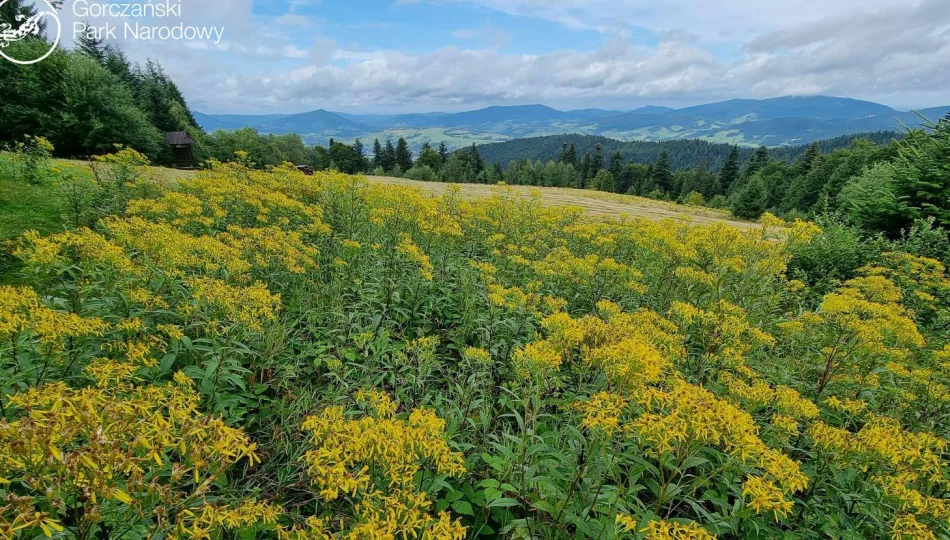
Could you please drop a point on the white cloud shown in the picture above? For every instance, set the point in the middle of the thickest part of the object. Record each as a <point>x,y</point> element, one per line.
<point>713,20</point>
<point>882,49</point>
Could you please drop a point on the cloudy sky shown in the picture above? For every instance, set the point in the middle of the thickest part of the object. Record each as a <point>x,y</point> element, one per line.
<point>424,55</point>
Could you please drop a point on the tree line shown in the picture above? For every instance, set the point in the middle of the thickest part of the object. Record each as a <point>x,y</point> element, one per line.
<point>878,187</point>
<point>684,153</point>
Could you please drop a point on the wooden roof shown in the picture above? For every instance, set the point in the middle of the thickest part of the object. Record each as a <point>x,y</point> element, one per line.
<point>175,138</point>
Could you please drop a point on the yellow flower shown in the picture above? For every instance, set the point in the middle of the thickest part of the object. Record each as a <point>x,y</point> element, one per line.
<point>601,412</point>
<point>347,455</point>
<point>786,424</point>
<point>251,306</point>
<point>118,443</point>
<point>906,527</point>
<point>765,497</point>
<point>477,356</point>
<point>670,530</point>
<point>415,255</point>
<point>539,358</point>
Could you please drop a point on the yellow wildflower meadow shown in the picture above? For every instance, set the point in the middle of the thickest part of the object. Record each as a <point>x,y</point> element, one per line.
<point>264,354</point>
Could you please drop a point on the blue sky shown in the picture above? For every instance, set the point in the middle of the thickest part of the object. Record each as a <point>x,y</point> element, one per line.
<point>425,55</point>
<point>418,27</point>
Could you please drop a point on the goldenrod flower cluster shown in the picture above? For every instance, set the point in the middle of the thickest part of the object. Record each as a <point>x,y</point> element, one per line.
<point>142,447</point>
<point>375,460</point>
<point>690,360</point>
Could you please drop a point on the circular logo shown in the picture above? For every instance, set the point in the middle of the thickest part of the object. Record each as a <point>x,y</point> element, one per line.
<point>26,26</point>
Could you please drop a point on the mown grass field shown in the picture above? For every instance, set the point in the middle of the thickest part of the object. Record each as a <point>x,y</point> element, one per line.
<point>595,203</point>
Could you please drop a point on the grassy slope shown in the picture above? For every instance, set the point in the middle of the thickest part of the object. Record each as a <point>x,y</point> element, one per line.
<point>23,207</point>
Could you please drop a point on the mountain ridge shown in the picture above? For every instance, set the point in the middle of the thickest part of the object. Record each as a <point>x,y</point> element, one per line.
<point>773,122</point>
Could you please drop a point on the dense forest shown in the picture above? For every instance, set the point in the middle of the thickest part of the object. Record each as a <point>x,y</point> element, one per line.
<point>86,100</point>
<point>683,154</point>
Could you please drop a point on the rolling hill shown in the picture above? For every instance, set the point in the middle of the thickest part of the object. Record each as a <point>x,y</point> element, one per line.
<point>783,121</point>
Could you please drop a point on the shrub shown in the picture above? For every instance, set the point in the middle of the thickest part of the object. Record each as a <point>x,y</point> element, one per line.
<point>694,198</point>
<point>423,173</point>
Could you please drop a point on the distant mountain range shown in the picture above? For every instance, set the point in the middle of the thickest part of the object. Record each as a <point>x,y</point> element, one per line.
<point>784,121</point>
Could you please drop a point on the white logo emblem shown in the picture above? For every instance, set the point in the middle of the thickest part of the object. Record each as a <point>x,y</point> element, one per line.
<point>30,26</point>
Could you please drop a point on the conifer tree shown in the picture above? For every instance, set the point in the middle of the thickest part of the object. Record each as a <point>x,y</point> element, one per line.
<point>403,155</point>
<point>662,175</point>
<point>389,156</point>
<point>730,169</point>
<point>428,157</point>
<point>92,46</point>
<point>750,202</point>
<point>571,156</point>
<point>377,154</point>
<point>477,159</point>
<point>585,171</point>
<point>443,152</point>
<point>759,160</point>
<point>616,164</point>
<point>360,154</point>
<point>807,161</point>
<point>596,161</point>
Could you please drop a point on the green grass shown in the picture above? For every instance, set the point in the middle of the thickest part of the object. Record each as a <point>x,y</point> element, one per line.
<point>24,206</point>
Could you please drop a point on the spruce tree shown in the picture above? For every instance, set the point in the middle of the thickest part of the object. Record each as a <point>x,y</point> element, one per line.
<point>571,156</point>
<point>585,170</point>
<point>922,176</point>
<point>377,154</point>
<point>597,161</point>
<point>389,156</point>
<point>759,160</point>
<point>403,155</point>
<point>662,175</point>
<point>92,46</point>
<point>712,186</point>
<point>807,161</point>
<point>477,160</point>
<point>696,180</point>
<point>443,152</point>
<point>616,164</point>
<point>118,64</point>
<point>360,154</point>
<point>645,186</point>
<point>497,174</point>
<point>730,169</point>
<point>750,202</point>
<point>428,158</point>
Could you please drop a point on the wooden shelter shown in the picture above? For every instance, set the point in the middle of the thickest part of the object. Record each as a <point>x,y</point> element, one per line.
<point>182,149</point>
